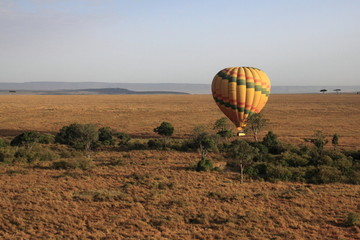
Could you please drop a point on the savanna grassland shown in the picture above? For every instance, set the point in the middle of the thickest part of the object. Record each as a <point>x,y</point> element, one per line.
<point>292,117</point>
<point>153,194</point>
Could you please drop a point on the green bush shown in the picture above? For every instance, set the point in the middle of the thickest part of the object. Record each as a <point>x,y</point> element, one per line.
<point>324,174</point>
<point>278,173</point>
<point>37,153</point>
<point>3,143</point>
<point>137,145</point>
<point>78,136</point>
<point>354,154</point>
<point>165,129</point>
<point>298,174</point>
<point>157,144</point>
<point>24,154</point>
<point>106,136</point>
<point>123,138</point>
<point>7,154</point>
<point>272,143</point>
<point>263,152</point>
<point>28,139</point>
<point>81,163</point>
<point>204,165</point>
<point>225,133</point>
<point>294,160</point>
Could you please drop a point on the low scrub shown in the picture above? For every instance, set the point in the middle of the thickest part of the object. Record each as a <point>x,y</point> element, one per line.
<point>28,139</point>
<point>74,163</point>
<point>27,155</point>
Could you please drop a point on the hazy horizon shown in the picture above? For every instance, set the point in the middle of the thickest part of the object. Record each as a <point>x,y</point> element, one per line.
<point>208,83</point>
<point>297,43</point>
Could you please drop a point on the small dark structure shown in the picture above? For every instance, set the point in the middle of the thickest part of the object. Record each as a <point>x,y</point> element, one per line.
<point>12,91</point>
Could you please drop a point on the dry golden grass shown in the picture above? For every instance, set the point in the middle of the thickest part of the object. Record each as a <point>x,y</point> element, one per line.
<point>155,194</point>
<point>292,117</point>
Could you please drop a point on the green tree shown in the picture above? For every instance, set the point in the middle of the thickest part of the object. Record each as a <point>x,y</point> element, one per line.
<point>165,129</point>
<point>242,155</point>
<point>79,136</point>
<point>272,143</point>
<point>255,124</point>
<point>335,140</point>
<point>29,139</point>
<point>204,141</point>
<point>319,140</point>
<point>106,136</point>
<point>223,127</point>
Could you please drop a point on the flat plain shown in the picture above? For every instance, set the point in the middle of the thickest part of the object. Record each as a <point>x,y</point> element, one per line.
<point>292,117</point>
<point>156,194</point>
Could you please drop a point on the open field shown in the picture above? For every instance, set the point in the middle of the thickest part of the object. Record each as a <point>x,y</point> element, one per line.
<point>152,194</point>
<point>292,117</point>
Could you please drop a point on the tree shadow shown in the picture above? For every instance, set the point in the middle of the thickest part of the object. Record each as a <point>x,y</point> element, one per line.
<point>15,132</point>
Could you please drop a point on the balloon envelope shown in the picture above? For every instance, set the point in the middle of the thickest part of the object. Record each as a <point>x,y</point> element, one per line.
<point>240,92</point>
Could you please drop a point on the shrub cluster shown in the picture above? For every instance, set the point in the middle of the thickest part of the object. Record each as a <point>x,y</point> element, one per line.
<point>23,154</point>
<point>277,161</point>
<point>269,159</point>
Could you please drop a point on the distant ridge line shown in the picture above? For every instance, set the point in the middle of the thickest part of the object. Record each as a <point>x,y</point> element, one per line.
<point>154,88</point>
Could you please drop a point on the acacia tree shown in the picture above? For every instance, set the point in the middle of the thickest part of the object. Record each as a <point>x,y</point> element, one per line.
<point>337,90</point>
<point>223,128</point>
<point>79,136</point>
<point>165,129</point>
<point>323,91</point>
<point>255,123</point>
<point>205,143</point>
<point>242,155</point>
<point>335,140</point>
<point>319,141</point>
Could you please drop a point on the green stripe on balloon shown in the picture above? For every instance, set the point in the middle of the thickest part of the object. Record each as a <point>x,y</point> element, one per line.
<point>249,85</point>
<point>241,82</point>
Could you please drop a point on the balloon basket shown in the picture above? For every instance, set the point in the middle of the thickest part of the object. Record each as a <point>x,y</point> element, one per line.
<point>240,134</point>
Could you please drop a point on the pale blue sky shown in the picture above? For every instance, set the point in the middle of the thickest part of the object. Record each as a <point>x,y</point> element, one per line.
<point>303,42</point>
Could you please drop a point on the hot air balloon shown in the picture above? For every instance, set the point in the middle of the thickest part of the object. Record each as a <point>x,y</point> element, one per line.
<point>240,92</point>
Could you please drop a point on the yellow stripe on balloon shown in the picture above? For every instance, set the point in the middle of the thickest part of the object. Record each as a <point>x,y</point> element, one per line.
<point>241,94</point>
<point>257,89</point>
<point>250,92</point>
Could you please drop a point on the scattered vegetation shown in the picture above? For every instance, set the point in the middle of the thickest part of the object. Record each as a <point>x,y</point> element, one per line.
<point>223,127</point>
<point>165,129</point>
<point>79,136</point>
<point>255,124</point>
<point>241,155</point>
<point>268,159</point>
<point>74,163</point>
<point>131,191</point>
<point>29,139</point>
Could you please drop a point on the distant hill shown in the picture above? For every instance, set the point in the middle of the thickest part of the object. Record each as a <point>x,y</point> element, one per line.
<point>90,91</point>
<point>146,88</point>
<point>142,87</point>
